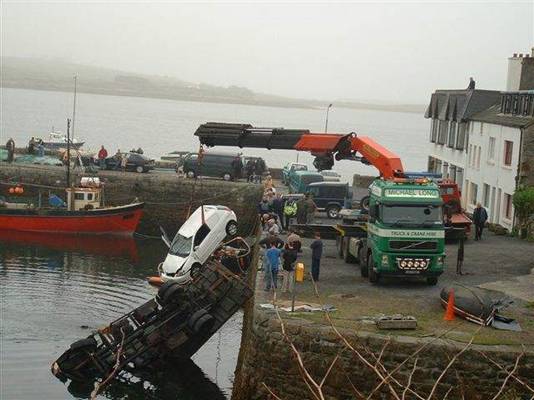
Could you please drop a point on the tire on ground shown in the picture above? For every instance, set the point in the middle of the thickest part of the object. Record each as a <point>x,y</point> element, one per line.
<point>373,276</point>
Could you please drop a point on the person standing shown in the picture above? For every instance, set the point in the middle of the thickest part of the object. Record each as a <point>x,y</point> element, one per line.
<point>317,253</point>
<point>273,257</point>
<point>118,159</point>
<point>311,207</point>
<point>472,84</point>
<point>295,240</point>
<point>237,167</point>
<point>40,149</point>
<point>10,147</point>
<point>289,257</point>
<point>290,211</point>
<point>31,146</point>
<point>480,216</point>
<point>249,170</point>
<point>259,169</point>
<point>124,162</point>
<point>278,209</point>
<point>302,213</point>
<point>102,155</point>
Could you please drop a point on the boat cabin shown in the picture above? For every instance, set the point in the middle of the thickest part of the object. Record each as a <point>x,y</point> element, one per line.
<point>87,196</point>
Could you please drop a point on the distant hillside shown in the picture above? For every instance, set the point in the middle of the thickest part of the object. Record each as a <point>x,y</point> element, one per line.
<point>57,75</point>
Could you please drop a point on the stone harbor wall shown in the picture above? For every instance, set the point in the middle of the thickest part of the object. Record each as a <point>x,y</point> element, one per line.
<point>266,358</point>
<point>168,197</point>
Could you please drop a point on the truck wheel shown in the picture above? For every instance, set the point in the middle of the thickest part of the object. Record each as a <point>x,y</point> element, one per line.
<point>332,212</point>
<point>190,174</point>
<point>89,344</point>
<point>432,280</point>
<point>227,177</point>
<point>349,258</point>
<point>173,293</point>
<point>204,325</point>
<point>364,203</point>
<point>373,276</point>
<point>363,265</point>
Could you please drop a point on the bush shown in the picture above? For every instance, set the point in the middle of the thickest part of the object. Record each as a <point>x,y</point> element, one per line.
<point>523,201</point>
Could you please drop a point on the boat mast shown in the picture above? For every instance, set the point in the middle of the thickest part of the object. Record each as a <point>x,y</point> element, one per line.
<point>74,105</point>
<point>68,153</point>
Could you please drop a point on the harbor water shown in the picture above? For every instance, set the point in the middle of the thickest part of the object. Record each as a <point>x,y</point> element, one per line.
<point>57,289</point>
<point>160,126</point>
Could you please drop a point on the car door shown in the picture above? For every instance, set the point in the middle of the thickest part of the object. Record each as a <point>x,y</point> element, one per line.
<point>208,238</point>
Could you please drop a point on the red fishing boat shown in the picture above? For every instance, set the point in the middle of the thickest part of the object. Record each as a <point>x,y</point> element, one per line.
<point>82,213</point>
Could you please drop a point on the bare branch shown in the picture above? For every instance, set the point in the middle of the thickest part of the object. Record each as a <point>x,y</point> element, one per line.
<point>452,361</point>
<point>386,343</point>
<point>408,384</point>
<point>329,370</point>
<point>509,376</point>
<point>517,379</point>
<point>270,391</point>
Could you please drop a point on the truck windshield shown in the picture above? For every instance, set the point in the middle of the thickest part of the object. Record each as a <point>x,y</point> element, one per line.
<point>181,246</point>
<point>411,215</point>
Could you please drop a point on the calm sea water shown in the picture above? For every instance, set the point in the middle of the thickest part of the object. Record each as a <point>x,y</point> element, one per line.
<point>56,290</point>
<point>160,126</point>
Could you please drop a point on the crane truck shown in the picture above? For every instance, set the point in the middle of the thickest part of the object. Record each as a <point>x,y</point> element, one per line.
<point>404,235</point>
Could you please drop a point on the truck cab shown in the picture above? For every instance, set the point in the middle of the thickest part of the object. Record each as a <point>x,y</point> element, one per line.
<point>405,232</point>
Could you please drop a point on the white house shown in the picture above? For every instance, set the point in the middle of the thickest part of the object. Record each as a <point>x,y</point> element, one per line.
<point>484,140</point>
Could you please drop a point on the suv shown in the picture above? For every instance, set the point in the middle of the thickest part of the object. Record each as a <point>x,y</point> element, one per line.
<point>330,196</point>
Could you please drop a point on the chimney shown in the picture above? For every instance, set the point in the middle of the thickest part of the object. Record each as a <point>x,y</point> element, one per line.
<point>520,55</point>
<point>515,54</point>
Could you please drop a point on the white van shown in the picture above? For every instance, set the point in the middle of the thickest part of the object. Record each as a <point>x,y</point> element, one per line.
<point>196,240</point>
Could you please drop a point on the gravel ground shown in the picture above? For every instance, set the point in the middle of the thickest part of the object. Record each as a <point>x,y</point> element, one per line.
<point>499,263</point>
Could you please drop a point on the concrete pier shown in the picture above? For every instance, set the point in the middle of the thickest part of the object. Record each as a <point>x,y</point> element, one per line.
<point>168,197</point>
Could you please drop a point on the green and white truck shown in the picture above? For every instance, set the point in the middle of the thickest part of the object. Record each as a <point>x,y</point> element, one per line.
<point>405,236</point>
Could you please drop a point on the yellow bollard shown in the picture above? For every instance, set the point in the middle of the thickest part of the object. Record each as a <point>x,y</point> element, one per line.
<point>299,272</point>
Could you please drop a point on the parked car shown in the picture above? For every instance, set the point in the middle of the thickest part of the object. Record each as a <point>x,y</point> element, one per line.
<point>299,180</point>
<point>214,164</point>
<point>330,196</point>
<point>136,162</point>
<point>196,240</point>
<point>330,176</point>
<point>288,170</point>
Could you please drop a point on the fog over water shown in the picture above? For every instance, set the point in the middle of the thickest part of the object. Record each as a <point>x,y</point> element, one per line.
<point>384,51</point>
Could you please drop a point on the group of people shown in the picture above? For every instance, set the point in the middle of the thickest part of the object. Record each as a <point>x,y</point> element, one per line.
<point>254,170</point>
<point>120,159</point>
<point>276,214</point>
<point>34,144</point>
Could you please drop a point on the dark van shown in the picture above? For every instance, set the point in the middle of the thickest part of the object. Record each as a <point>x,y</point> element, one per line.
<point>330,196</point>
<point>213,164</point>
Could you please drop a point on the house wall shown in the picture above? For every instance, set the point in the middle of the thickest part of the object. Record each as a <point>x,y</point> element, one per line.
<point>484,169</point>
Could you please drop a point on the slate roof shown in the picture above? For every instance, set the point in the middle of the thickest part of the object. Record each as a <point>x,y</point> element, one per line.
<point>460,105</point>
<point>493,115</point>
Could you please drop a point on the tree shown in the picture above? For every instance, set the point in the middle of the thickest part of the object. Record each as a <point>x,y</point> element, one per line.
<point>523,201</point>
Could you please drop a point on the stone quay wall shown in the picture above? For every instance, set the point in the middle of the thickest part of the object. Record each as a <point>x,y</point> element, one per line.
<point>168,197</point>
<point>266,358</point>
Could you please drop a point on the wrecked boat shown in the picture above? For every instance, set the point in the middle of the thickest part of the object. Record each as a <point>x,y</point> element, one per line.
<point>175,324</point>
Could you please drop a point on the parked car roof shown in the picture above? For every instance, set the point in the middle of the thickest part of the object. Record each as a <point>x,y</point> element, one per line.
<point>327,183</point>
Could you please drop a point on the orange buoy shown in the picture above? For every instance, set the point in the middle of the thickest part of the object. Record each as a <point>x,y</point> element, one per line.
<point>11,190</point>
<point>449,312</point>
<point>155,280</point>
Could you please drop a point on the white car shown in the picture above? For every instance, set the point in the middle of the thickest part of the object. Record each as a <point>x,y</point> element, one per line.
<point>331,176</point>
<point>196,241</point>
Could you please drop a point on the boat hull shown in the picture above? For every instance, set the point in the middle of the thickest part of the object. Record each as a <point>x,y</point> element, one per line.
<point>122,220</point>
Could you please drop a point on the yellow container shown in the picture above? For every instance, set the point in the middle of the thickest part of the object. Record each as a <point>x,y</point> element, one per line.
<point>299,272</point>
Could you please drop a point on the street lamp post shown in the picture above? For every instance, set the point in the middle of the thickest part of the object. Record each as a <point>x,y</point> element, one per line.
<point>326,123</point>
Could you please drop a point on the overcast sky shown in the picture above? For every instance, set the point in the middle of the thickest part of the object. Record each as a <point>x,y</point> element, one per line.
<point>391,52</point>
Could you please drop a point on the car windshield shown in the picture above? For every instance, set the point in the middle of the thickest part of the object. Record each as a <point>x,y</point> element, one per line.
<point>181,246</point>
<point>299,167</point>
<point>411,215</point>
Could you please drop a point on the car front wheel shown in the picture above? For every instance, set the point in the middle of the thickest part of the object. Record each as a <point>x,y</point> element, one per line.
<point>139,169</point>
<point>332,212</point>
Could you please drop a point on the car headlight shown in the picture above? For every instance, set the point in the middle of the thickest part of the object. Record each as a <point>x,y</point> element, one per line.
<point>385,260</point>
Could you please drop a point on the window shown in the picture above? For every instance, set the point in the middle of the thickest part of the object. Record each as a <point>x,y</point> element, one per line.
<point>473,193</point>
<point>434,131</point>
<point>460,138</point>
<point>452,135</point>
<point>481,128</point>
<point>443,126</point>
<point>201,235</point>
<point>470,155</point>
<point>459,177</point>
<point>452,172</point>
<point>89,196</point>
<point>485,195</point>
<point>445,172</point>
<point>508,206</point>
<point>78,196</point>
<point>491,149</point>
<point>508,148</point>
<point>478,156</point>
